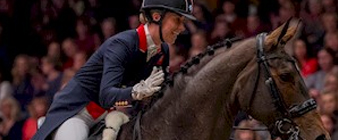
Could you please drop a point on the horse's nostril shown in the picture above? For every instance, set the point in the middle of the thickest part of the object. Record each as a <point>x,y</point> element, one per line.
<point>321,137</point>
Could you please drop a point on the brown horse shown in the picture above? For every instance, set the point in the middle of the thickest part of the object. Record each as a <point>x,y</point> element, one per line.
<point>202,103</point>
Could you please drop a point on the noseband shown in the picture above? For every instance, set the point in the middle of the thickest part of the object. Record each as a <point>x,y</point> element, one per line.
<point>284,126</point>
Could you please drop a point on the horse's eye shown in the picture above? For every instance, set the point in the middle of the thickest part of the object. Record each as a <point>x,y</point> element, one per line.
<point>286,77</point>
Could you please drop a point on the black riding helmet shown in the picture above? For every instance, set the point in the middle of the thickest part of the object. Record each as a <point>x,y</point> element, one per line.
<point>180,7</point>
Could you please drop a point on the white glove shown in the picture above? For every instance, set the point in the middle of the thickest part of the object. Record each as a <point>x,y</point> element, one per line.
<point>149,86</point>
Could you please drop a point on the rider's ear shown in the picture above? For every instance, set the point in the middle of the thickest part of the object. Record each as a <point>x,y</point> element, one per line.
<point>156,16</point>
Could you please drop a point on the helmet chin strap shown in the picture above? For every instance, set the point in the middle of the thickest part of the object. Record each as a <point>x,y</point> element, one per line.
<point>160,30</point>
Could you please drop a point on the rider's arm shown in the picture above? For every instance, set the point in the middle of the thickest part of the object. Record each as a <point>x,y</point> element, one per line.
<point>115,56</point>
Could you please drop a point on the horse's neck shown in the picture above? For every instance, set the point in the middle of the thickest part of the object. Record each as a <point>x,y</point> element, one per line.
<point>204,108</point>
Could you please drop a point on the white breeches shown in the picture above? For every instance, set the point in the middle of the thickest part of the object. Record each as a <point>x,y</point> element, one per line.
<point>77,127</point>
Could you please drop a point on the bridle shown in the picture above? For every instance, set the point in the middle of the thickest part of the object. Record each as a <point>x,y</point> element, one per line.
<point>284,126</point>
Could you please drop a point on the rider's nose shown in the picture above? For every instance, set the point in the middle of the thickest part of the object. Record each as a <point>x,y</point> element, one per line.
<point>321,137</point>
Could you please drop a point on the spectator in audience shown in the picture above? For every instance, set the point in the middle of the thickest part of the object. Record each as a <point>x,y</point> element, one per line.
<point>331,81</point>
<point>331,41</point>
<point>199,43</point>
<point>23,88</point>
<point>176,59</point>
<point>69,48</point>
<point>77,6</point>
<point>330,21</point>
<point>286,10</point>
<point>12,124</point>
<point>328,123</point>
<point>330,6</point>
<point>203,16</point>
<point>307,64</point>
<point>326,64</point>
<point>108,28</point>
<point>37,108</point>
<point>133,21</point>
<point>80,59</point>
<point>5,88</point>
<point>254,27</point>
<point>328,103</point>
<point>51,69</point>
<point>313,29</point>
<point>67,75</point>
<point>54,50</point>
<point>85,39</point>
<point>230,16</point>
<point>42,20</point>
<point>38,81</point>
<point>221,31</point>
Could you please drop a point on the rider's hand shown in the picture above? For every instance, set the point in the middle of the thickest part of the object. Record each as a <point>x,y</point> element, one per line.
<point>148,87</point>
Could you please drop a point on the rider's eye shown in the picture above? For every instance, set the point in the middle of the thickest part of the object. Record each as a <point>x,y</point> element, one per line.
<point>286,77</point>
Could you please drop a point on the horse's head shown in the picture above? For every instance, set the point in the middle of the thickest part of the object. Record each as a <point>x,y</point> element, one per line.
<point>271,89</point>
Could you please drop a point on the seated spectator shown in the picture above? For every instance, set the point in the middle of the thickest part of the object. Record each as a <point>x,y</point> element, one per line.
<point>254,27</point>
<point>330,21</point>
<point>133,21</point>
<point>176,59</point>
<point>326,64</point>
<point>313,29</point>
<point>12,123</point>
<point>328,122</point>
<point>221,31</point>
<point>5,89</point>
<point>54,50</point>
<point>203,16</point>
<point>331,41</point>
<point>69,48</point>
<point>37,108</point>
<point>108,27</point>
<point>67,75</point>
<point>23,90</point>
<point>85,40</point>
<point>199,43</point>
<point>330,6</point>
<point>307,64</point>
<point>230,16</point>
<point>286,10</point>
<point>80,59</point>
<point>328,103</point>
<point>51,69</point>
<point>331,80</point>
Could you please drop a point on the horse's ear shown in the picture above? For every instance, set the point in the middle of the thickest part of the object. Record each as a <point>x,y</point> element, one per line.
<point>282,34</point>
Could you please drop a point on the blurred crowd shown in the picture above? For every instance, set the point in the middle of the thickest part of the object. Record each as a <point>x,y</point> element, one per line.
<point>44,42</point>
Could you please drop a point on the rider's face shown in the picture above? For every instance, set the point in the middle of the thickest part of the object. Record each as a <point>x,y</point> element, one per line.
<point>173,25</point>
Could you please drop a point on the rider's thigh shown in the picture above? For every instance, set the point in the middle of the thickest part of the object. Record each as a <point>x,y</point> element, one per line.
<point>74,128</point>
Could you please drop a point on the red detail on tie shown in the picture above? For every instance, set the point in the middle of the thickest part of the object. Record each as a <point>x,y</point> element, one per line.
<point>142,38</point>
<point>95,110</point>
